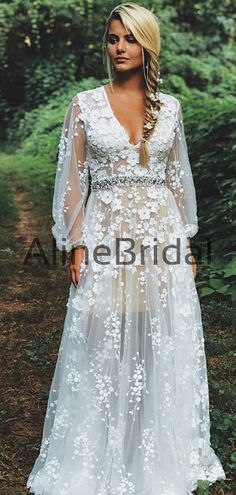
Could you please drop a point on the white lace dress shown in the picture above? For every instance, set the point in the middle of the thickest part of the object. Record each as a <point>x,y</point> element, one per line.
<point>128,410</point>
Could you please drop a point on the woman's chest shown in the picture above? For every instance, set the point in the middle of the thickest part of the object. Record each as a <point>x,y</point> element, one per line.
<point>106,136</point>
<point>129,112</point>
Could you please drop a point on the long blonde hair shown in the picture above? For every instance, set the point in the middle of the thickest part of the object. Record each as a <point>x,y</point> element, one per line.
<point>144,26</point>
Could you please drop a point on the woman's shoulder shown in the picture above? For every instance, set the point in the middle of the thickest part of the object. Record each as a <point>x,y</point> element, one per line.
<point>168,98</point>
<point>83,102</point>
<point>87,95</point>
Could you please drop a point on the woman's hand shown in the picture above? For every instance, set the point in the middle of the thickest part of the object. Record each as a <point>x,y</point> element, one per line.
<point>194,266</point>
<point>77,256</point>
<point>193,261</point>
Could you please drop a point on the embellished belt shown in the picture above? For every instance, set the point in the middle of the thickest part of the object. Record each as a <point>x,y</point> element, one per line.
<point>127,180</point>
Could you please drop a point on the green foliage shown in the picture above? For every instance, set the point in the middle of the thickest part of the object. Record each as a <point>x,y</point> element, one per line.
<point>217,279</point>
<point>35,145</point>
<point>212,154</point>
<point>39,130</point>
<point>43,77</point>
<point>45,45</point>
<point>211,18</point>
<point>8,214</point>
<point>219,328</point>
<point>203,487</point>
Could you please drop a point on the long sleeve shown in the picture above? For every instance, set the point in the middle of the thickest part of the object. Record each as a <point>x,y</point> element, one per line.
<point>71,182</point>
<point>180,180</point>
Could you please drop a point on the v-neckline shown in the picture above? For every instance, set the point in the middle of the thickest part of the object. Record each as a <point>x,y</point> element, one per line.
<point>118,122</point>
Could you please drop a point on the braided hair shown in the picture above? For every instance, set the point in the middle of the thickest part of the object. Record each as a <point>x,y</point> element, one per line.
<point>153,105</point>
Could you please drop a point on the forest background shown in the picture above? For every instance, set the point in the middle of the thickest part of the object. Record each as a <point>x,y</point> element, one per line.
<point>49,51</point>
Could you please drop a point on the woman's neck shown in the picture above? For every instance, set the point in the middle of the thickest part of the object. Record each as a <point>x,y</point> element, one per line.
<point>129,82</point>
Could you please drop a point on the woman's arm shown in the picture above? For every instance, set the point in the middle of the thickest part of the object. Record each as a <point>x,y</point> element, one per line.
<point>71,188</point>
<point>71,182</point>
<point>180,182</point>
<point>179,178</point>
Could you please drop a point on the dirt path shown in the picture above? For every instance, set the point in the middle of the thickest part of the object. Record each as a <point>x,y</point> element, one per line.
<point>32,292</point>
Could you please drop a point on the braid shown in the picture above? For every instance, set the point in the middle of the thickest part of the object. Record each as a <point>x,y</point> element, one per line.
<point>153,105</point>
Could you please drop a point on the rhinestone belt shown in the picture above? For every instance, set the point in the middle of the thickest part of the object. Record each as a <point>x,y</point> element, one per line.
<point>126,180</point>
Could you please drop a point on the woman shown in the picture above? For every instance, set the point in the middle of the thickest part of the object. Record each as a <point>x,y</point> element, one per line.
<point>128,411</point>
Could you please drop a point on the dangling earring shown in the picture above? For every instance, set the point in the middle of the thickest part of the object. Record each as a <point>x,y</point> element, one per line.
<point>159,80</point>
<point>145,69</point>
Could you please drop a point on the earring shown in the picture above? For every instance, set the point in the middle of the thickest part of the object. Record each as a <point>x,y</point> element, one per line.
<point>145,71</point>
<point>159,80</point>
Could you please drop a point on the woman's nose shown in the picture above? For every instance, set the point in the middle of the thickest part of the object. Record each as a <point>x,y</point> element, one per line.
<point>121,45</point>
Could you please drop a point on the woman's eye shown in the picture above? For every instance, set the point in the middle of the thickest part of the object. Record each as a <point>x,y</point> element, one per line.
<point>111,39</point>
<point>131,39</point>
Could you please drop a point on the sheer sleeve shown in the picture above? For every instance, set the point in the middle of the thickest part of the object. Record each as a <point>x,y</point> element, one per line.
<point>179,178</point>
<point>71,182</point>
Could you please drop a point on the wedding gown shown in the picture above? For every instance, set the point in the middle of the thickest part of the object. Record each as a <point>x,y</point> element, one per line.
<point>128,409</point>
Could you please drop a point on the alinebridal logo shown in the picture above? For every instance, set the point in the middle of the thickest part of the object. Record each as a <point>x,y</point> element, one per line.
<point>126,252</point>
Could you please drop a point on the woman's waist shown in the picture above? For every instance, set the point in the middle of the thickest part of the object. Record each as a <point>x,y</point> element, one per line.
<point>98,184</point>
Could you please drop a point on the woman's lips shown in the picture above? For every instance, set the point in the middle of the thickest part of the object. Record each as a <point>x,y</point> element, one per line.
<point>121,59</point>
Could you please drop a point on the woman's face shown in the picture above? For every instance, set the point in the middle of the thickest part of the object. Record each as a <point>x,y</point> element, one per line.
<point>124,51</point>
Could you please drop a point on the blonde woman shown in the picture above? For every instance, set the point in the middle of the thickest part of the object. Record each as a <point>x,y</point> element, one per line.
<point>128,410</point>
